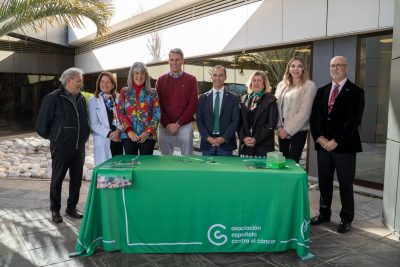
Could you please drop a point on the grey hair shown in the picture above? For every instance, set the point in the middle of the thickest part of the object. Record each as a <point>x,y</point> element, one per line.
<point>176,51</point>
<point>70,74</point>
<point>140,67</point>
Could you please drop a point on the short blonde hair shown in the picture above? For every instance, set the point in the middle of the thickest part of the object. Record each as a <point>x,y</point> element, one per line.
<point>263,76</point>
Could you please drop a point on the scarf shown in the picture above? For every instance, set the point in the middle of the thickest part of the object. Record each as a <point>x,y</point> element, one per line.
<point>109,101</point>
<point>254,99</point>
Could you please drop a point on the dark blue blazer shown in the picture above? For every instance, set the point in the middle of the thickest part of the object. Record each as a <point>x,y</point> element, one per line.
<point>228,119</point>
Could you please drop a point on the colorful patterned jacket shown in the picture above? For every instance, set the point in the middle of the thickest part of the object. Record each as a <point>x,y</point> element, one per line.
<point>142,115</point>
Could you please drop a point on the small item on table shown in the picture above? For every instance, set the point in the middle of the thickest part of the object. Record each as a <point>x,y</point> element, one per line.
<point>275,160</point>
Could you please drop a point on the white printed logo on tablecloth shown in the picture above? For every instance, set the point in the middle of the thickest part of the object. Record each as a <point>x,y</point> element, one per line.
<point>214,235</point>
<point>239,234</point>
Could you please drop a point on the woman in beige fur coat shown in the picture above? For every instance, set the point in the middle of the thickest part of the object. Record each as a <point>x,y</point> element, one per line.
<point>295,94</point>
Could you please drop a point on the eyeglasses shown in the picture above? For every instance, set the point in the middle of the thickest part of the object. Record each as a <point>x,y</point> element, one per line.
<point>339,66</point>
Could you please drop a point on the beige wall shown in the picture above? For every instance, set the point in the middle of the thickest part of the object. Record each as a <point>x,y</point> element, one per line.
<point>257,25</point>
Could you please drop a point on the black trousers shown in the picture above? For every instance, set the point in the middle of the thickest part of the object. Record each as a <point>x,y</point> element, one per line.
<point>345,166</point>
<point>116,148</point>
<point>293,147</point>
<point>133,148</point>
<point>63,159</point>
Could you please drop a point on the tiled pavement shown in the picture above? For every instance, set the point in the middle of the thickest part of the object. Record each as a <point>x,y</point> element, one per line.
<point>29,238</point>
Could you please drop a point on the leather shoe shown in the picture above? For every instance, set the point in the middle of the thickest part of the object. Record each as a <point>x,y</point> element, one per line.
<point>74,213</point>
<point>344,227</point>
<point>317,220</point>
<point>56,217</point>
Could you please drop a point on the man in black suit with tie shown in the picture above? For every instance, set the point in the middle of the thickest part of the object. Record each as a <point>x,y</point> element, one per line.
<point>217,117</point>
<point>336,114</point>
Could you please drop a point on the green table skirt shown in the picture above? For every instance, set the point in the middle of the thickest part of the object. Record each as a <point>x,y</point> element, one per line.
<point>196,204</point>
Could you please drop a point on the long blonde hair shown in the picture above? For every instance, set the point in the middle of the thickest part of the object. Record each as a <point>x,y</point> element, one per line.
<point>288,79</point>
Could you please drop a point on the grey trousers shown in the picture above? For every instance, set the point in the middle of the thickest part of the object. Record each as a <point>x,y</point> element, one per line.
<point>183,139</point>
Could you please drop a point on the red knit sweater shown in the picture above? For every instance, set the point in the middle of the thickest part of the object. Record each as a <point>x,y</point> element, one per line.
<point>178,98</point>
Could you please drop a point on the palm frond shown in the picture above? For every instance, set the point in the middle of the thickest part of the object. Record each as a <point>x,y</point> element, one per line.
<point>33,14</point>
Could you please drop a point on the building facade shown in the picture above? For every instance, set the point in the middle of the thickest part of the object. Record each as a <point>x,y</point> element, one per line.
<point>244,35</point>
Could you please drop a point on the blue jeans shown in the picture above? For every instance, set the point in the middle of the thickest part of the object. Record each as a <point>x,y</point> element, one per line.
<point>217,151</point>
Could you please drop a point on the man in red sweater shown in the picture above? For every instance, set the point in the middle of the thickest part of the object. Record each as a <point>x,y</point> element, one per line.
<point>177,91</point>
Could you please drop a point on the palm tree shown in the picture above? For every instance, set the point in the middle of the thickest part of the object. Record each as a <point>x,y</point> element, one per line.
<point>33,14</point>
<point>273,62</point>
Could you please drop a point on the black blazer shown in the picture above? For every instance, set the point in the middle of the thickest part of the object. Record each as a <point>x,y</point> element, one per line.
<point>63,123</point>
<point>342,123</point>
<point>263,127</point>
<point>228,119</point>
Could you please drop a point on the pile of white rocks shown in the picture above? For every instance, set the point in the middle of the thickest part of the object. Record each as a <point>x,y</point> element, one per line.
<point>29,156</point>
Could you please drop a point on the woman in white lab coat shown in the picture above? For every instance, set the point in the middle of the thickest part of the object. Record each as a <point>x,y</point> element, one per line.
<point>103,119</point>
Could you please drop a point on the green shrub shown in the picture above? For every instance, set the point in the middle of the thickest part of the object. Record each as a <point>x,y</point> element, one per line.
<point>87,95</point>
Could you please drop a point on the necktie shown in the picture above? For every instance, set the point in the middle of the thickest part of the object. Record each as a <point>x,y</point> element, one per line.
<point>333,97</point>
<point>216,113</point>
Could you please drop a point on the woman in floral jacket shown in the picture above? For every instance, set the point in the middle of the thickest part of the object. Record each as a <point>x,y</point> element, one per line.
<point>139,112</point>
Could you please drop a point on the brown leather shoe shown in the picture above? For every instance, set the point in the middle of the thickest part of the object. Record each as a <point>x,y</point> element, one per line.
<point>74,213</point>
<point>56,217</point>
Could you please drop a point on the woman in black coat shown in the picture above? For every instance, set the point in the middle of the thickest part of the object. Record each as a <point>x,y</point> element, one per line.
<point>259,117</point>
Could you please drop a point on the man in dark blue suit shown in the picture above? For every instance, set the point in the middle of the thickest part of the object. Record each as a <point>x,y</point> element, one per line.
<point>336,114</point>
<point>217,117</point>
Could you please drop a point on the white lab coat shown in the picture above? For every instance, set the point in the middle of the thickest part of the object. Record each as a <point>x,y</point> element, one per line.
<point>100,128</point>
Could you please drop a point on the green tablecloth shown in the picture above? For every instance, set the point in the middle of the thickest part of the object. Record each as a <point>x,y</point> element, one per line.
<point>196,204</point>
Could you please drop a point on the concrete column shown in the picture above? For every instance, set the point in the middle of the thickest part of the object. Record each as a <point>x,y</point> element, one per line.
<point>391,191</point>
